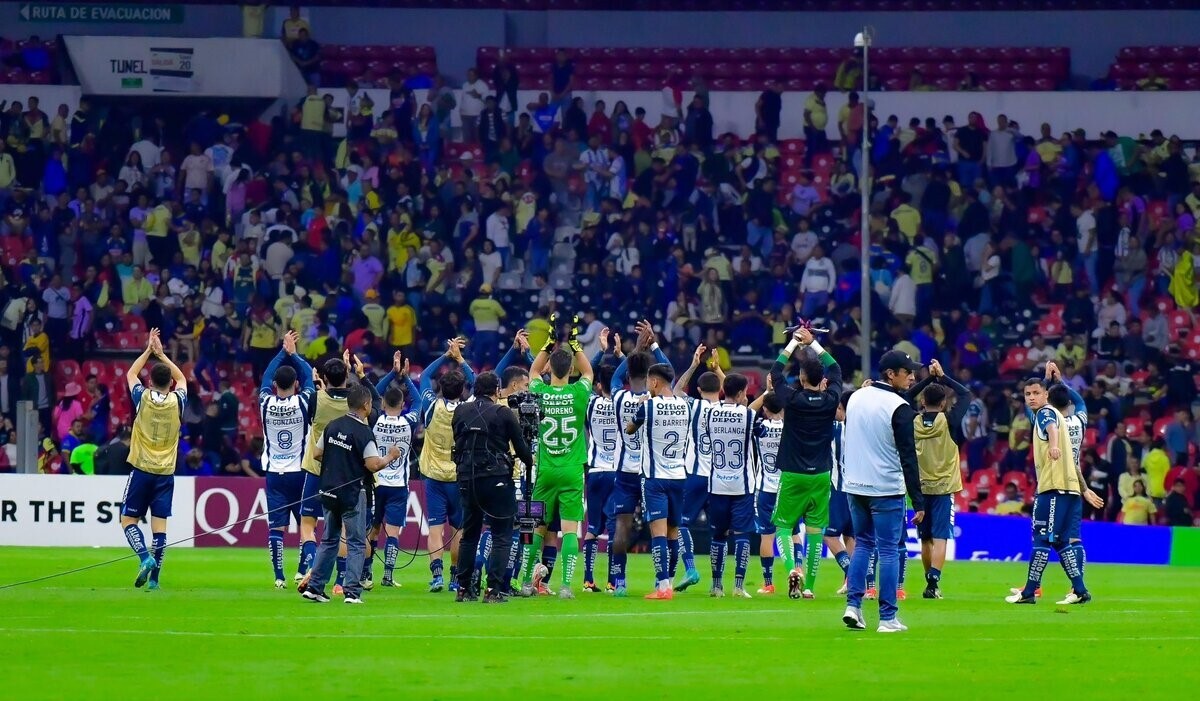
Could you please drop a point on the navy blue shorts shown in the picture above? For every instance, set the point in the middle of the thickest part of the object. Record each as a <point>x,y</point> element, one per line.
<point>391,506</point>
<point>146,491</point>
<point>284,492</point>
<point>1057,517</point>
<point>442,503</point>
<point>311,493</point>
<point>663,499</point>
<point>839,516</point>
<point>731,514</point>
<point>764,508</point>
<point>695,498</point>
<point>598,489</point>
<point>626,494</point>
<point>939,518</point>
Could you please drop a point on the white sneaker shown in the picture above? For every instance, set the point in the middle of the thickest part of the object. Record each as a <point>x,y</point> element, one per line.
<point>717,592</point>
<point>297,577</point>
<point>527,590</point>
<point>280,584</point>
<point>353,600</point>
<point>892,626</point>
<point>808,594</point>
<point>853,619</point>
<point>368,584</point>
<point>566,593</point>
<point>1074,598</point>
<point>844,588</point>
<point>740,593</point>
<point>1019,598</point>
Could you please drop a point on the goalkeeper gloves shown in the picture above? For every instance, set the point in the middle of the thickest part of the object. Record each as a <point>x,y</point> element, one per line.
<point>552,339</point>
<point>574,342</point>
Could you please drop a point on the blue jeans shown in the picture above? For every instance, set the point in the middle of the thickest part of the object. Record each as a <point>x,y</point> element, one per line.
<point>759,237</point>
<point>1088,263</point>
<point>486,347</point>
<point>539,259</point>
<point>878,523</point>
<point>354,519</point>
<point>968,172</point>
<point>1137,287</point>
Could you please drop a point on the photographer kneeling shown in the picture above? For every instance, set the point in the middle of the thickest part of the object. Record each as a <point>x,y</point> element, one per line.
<point>483,432</point>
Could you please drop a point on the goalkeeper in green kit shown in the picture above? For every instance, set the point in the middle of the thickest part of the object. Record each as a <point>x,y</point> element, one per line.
<point>561,452</point>
<point>805,457</point>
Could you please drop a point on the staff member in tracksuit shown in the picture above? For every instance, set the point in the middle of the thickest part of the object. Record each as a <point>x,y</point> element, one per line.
<point>881,465</point>
<point>484,431</point>
<point>938,430</point>
<point>348,456</point>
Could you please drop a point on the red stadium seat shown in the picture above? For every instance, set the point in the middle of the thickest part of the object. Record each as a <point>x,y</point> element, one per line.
<point>1014,362</point>
<point>66,371</point>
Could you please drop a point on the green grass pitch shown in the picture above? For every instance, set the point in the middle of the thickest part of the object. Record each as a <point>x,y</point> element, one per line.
<point>219,631</point>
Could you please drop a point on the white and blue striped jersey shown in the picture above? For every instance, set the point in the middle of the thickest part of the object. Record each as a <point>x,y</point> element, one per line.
<point>286,422</point>
<point>767,435</point>
<point>602,433</point>
<point>666,422</point>
<point>630,446</point>
<point>837,446</point>
<point>395,431</point>
<point>1076,428</point>
<point>730,429</point>
<point>699,458</point>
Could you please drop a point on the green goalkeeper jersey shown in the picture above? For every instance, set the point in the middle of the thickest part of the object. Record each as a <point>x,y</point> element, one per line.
<point>562,439</point>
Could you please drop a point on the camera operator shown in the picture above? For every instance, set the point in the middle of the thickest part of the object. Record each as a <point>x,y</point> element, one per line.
<point>483,434</point>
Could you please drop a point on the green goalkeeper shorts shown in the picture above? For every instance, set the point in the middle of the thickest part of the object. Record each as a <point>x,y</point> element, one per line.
<point>802,499</point>
<point>562,492</point>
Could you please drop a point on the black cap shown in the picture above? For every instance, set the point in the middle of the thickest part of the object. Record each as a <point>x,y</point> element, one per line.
<point>898,360</point>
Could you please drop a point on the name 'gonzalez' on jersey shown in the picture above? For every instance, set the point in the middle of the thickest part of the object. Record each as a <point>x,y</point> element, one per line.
<point>629,445</point>
<point>395,431</point>
<point>667,427</point>
<point>602,434</point>
<point>767,436</point>
<point>285,421</point>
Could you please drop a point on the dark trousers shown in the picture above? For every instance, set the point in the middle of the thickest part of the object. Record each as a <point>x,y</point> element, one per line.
<point>491,500</point>
<point>354,519</point>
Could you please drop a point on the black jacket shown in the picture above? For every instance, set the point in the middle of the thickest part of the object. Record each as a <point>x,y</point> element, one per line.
<point>483,432</point>
<point>807,421</point>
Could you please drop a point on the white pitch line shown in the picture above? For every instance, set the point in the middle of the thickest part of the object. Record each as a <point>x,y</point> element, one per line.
<point>848,635</point>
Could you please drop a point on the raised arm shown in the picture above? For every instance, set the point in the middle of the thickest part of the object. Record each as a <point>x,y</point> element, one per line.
<point>618,378</point>
<point>157,350</point>
<point>131,375</point>
<point>268,380</point>
<point>685,379</point>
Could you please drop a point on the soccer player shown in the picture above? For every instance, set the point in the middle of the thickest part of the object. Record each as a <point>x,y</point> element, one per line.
<point>436,464</point>
<point>287,415</point>
<point>839,534</point>
<point>602,433</point>
<point>938,430</point>
<point>666,421</point>
<point>627,489</point>
<point>153,451</point>
<point>699,460</point>
<point>729,426</point>
<point>804,456</point>
<point>561,452</point>
<point>1058,506</point>
<point>768,431</point>
<point>394,427</point>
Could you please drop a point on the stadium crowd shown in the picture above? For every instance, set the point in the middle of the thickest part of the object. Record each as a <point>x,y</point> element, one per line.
<point>995,248</point>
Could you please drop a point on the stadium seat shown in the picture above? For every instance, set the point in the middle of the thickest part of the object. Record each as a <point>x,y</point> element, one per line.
<point>1014,362</point>
<point>66,371</point>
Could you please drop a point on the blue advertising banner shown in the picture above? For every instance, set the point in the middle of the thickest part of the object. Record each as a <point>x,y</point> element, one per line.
<point>1007,538</point>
